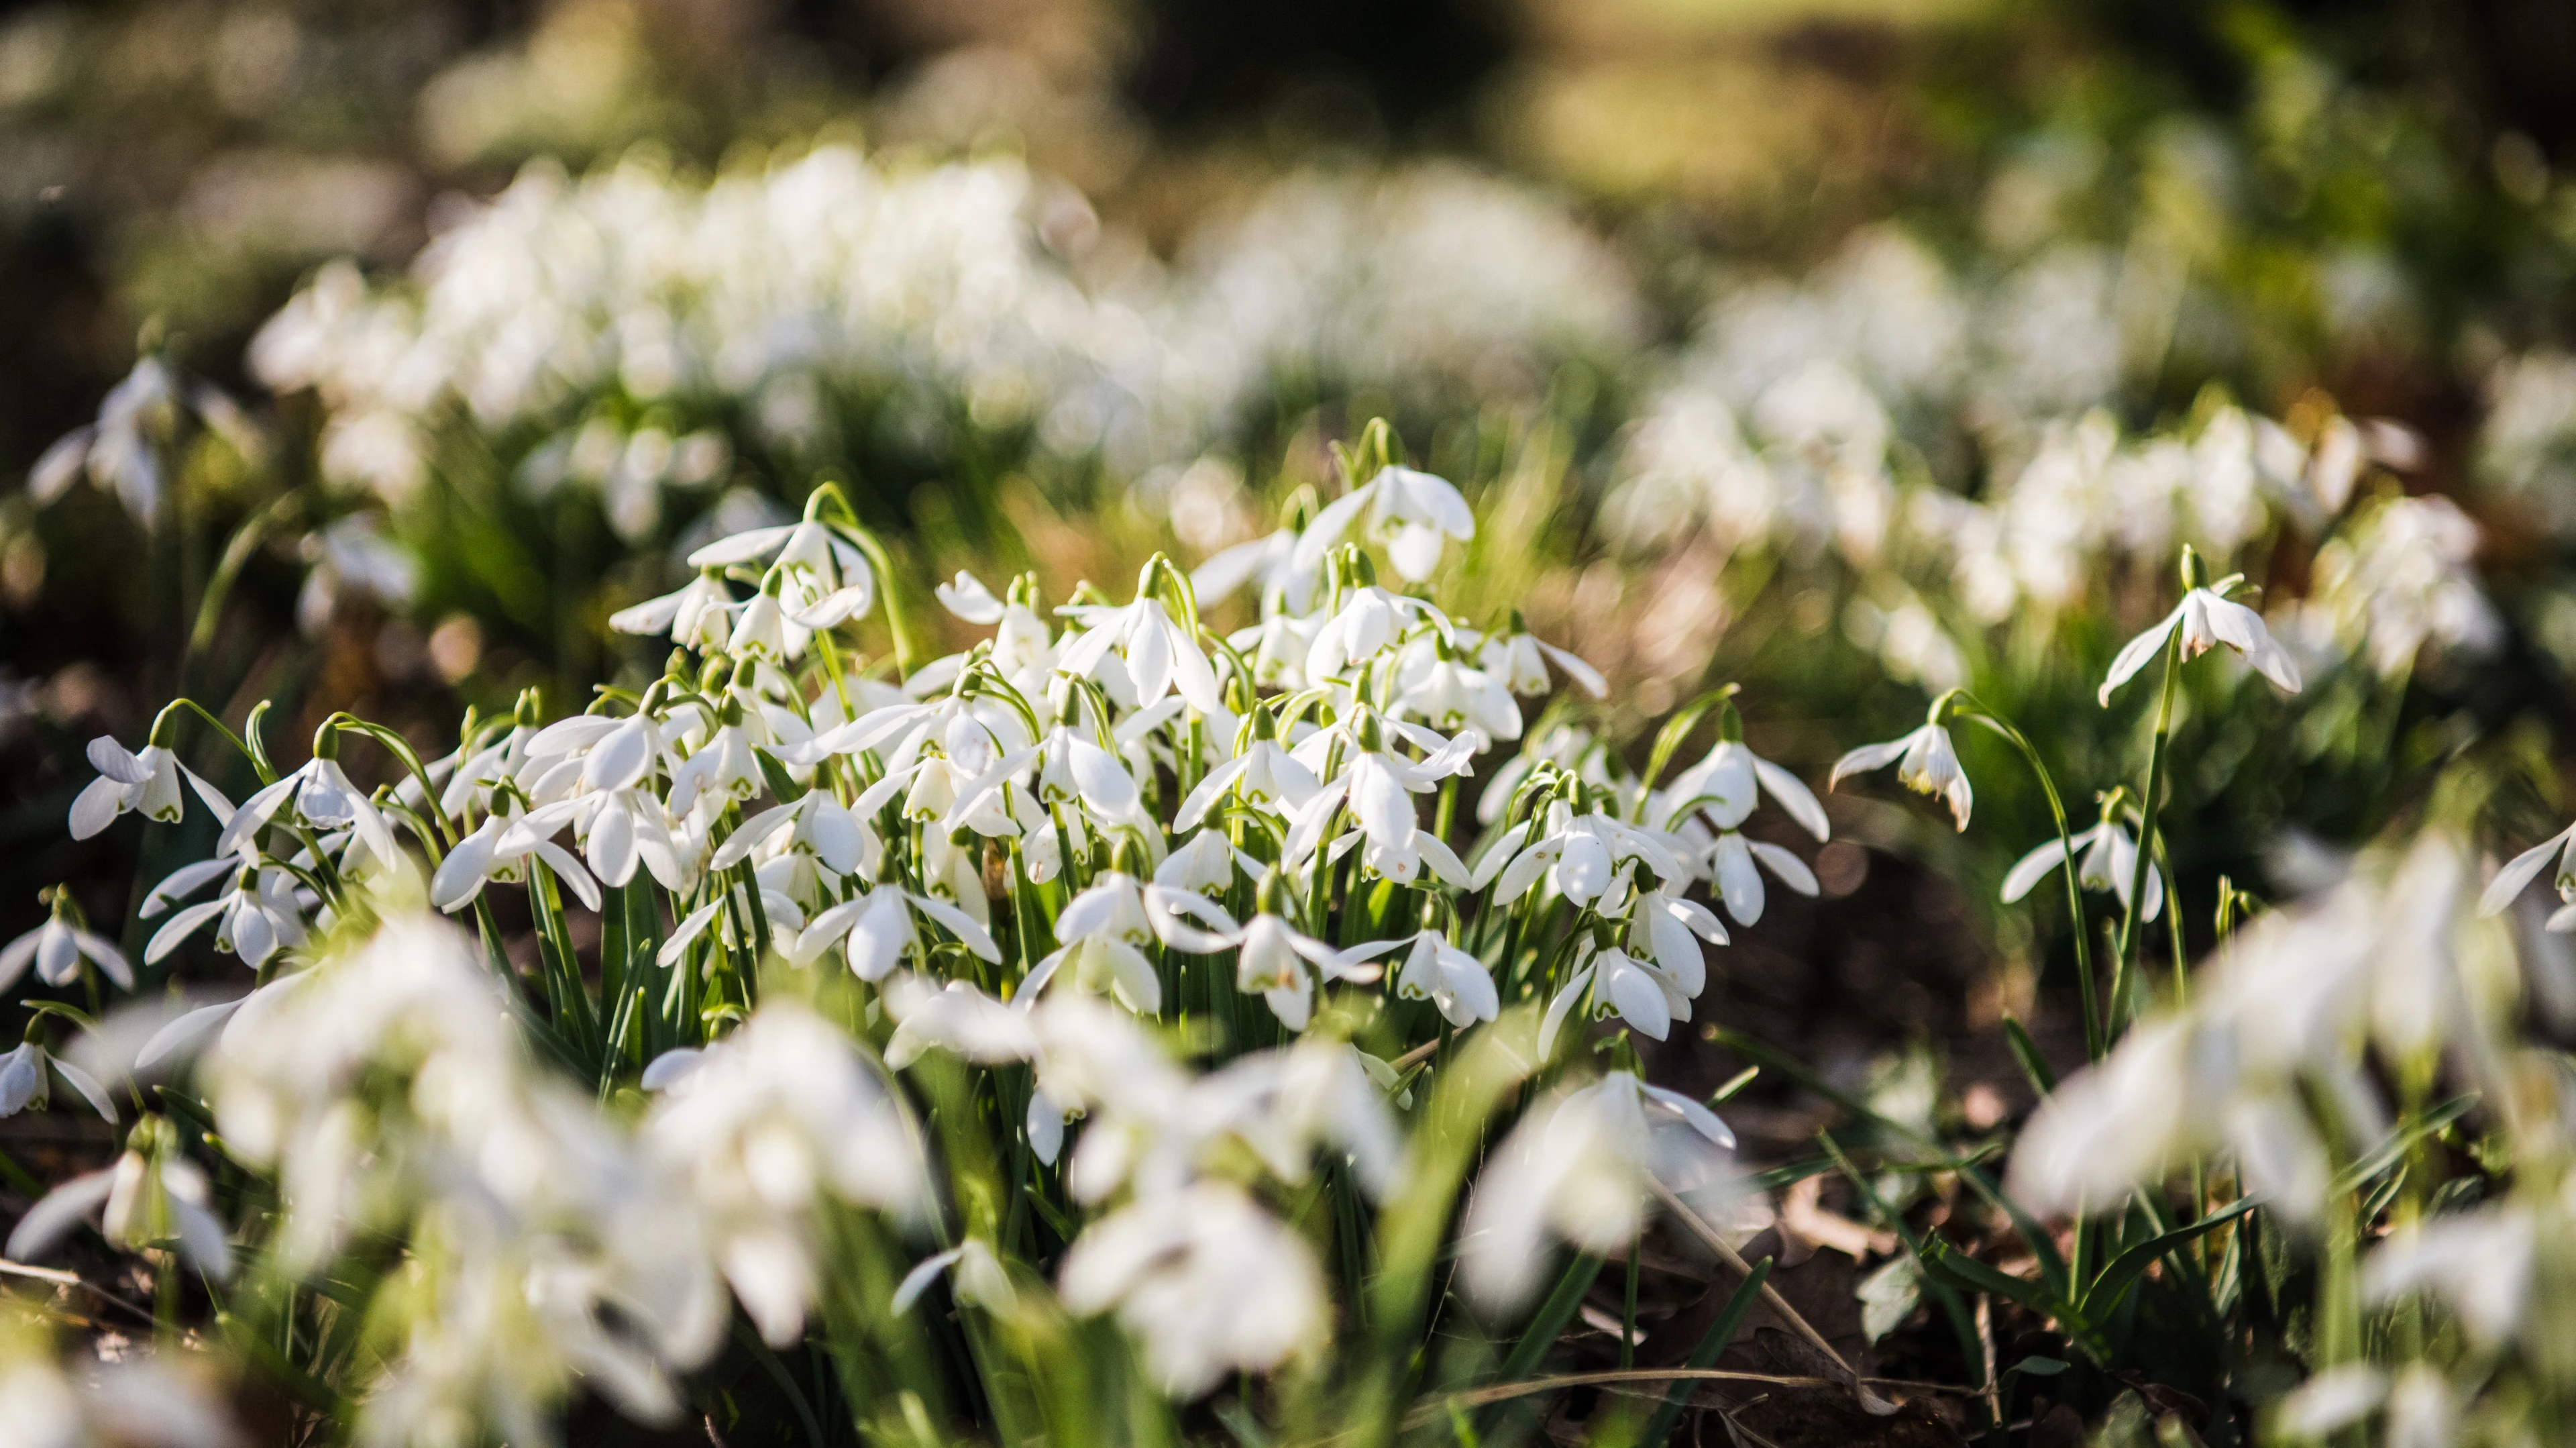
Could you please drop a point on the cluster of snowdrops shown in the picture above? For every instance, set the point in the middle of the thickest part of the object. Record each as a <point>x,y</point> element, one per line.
<point>1113,971</point>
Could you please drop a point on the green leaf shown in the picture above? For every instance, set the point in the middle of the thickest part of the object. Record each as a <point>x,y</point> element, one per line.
<point>1660,1427</point>
<point>2126,1268</point>
<point>2401,1141</point>
<point>781,783</point>
<point>1947,1264</point>
<point>2026,1051</point>
<point>1548,1323</point>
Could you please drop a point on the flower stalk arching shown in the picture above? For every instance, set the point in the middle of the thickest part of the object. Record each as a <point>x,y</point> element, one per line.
<point>829,505</point>
<point>1961,702</point>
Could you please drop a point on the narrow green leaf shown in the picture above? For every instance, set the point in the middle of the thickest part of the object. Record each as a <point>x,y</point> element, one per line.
<point>1660,1427</point>
<point>2026,1051</point>
<point>2401,1141</point>
<point>2131,1264</point>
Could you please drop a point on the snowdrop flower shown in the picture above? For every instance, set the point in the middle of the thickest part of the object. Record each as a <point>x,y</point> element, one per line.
<point>2107,859</point>
<point>697,615</point>
<point>1448,977</point>
<point>2120,1121</point>
<point>257,917</point>
<point>873,929</point>
<point>1727,782</point>
<point>1271,559</point>
<point>1379,784</point>
<point>1284,966</point>
<point>1368,619</point>
<point>147,782</point>
<point>1104,928</point>
<point>981,1280</point>
<point>1655,980</point>
<point>1263,773</point>
<point>1413,512</point>
<point>1575,1169</point>
<point>775,1114</point>
<point>25,1081</point>
<point>817,577</point>
<point>2519,872</point>
<point>1584,854</point>
<point>57,948</point>
<point>817,824</point>
<point>1450,694</point>
<point>2206,618</point>
<point>956,1018</point>
<point>723,768</point>
<point>2333,1400</point>
<point>1159,654</point>
<point>1208,1283</point>
<point>151,1195</point>
<point>1731,859</point>
<point>1643,993</point>
<point>1204,866</point>
<point>140,1402</point>
<point>323,796</point>
<point>1925,760</point>
<point>121,450</point>
<point>1519,659</point>
<point>2478,1262</point>
<point>497,849</point>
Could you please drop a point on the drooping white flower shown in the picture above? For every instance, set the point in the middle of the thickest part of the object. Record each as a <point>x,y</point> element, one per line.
<point>1519,659</point>
<point>697,615</point>
<point>2106,860</point>
<point>1926,762</point>
<point>1457,982</point>
<point>1450,694</point>
<point>323,797</point>
<point>147,782</point>
<point>874,930</point>
<point>1105,928</point>
<point>2207,618</point>
<point>1641,992</point>
<point>773,1117</point>
<point>25,1080</point>
<point>151,1195</point>
<point>257,917</point>
<point>1378,784</point>
<point>956,1018</point>
<point>1159,655</point>
<point>1413,512</point>
<point>1368,619</point>
<point>1208,1283</point>
<point>57,948</point>
<point>498,848</point>
<point>2519,872</point>
<point>2479,1263</point>
<point>1286,965</point>
<point>1575,1169</point>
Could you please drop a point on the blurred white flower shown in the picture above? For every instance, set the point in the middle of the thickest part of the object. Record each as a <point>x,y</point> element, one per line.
<point>1207,1281</point>
<point>777,1113</point>
<point>1575,1169</point>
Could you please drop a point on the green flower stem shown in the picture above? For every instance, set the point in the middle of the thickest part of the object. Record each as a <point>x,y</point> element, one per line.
<point>2147,842</point>
<point>2067,865</point>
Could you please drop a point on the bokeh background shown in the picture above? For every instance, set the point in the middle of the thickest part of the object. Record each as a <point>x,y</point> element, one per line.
<point>1760,330</point>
